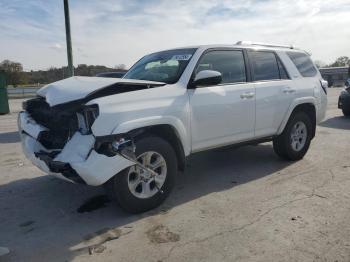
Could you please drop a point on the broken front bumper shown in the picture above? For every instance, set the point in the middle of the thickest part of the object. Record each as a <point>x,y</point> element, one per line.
<point>77,162</point>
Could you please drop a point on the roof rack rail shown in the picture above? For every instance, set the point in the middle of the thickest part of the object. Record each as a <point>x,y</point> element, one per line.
<point>264,44</point>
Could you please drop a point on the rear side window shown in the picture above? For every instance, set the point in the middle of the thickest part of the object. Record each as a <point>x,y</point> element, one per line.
<point>230,63</point>
<point>303,64</point>
<point>264,65</point>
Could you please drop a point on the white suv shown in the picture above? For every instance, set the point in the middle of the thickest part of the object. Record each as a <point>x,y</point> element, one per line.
<point>133,134</point>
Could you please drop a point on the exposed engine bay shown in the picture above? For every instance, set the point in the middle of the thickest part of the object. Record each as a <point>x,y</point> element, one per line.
<point>61,121</point>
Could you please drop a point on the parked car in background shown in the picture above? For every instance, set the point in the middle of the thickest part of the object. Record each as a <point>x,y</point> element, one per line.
<point>344,99</point>
<point>112,74</point>
<point>134,134</point>
<point>335,76</point>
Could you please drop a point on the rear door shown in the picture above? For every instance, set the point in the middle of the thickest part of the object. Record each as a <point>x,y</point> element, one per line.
<point>273,89</point>
<point>224,113</point>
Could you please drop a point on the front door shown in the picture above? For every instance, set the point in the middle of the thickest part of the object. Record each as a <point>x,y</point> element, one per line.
<point>225,113</point>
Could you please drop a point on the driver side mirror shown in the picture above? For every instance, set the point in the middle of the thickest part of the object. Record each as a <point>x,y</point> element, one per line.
<point>206,78</point>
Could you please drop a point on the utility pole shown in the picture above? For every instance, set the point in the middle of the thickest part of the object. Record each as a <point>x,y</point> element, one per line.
<point>68,39</point>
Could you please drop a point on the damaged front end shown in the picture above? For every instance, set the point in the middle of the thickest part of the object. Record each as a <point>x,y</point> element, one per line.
<point>61,121</point>
<point>58,139</point>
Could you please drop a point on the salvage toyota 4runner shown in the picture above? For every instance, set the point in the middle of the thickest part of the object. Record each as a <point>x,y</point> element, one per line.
<point>134,133</point>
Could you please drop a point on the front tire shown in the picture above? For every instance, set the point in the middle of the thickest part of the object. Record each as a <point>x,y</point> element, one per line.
<point>133,189</point>
<point>295,139</point>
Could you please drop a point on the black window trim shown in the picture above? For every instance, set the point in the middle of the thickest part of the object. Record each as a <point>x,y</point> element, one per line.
<point>246,67</point>
<point>277,60</point>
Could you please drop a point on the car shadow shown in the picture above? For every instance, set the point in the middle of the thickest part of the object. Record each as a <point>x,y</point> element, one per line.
<point>9,137</point>
<point>43,211</point>
<point>338,122</point>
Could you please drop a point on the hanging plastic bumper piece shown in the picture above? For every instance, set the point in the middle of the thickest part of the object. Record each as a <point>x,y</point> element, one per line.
<point>77,162</point>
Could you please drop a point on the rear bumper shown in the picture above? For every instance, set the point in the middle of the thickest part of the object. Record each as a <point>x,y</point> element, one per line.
<point>77,162</point>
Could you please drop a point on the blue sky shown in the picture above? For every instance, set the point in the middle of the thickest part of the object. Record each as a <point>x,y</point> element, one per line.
<point>111,32</point>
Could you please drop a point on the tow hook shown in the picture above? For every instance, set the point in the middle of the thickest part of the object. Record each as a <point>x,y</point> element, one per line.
<point>126,148</point>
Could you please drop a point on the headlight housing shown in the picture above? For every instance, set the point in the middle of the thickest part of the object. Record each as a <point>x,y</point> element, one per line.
<point>86,118</point>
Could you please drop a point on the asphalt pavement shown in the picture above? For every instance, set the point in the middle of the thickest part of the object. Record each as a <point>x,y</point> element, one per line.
<point>241,204</point>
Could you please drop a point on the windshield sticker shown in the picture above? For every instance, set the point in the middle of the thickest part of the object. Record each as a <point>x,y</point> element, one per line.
<point>181,57</point>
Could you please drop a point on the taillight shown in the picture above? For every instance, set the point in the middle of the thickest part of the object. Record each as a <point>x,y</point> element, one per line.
<point>324,85</point>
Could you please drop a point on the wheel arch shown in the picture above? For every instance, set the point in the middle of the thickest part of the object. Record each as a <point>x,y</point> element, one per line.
<point>303,105</point>
<point>171,133</point>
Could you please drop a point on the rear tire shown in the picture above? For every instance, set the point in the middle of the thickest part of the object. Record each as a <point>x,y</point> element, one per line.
<point>134,199</point>
<point>346,111</point>
<point>294,141</point>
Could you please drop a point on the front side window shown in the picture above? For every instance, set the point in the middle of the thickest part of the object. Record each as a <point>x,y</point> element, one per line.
<point>303,63</point>
<point>165,66</point>
<point>230,63</point>
<point>264,65</point>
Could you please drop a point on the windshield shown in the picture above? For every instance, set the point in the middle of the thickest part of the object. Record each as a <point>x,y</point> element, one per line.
<point>165,66</point>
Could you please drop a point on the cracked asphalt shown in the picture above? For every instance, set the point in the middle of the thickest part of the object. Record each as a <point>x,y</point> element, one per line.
<point>241,204</point>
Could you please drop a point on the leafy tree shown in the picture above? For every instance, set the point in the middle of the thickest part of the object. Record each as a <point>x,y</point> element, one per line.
<point>341,61</point>
<point>120,67</point>
<point>16,75</point>
<point>14,72</point>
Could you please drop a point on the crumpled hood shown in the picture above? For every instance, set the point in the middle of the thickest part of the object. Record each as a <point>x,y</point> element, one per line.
<point>79,87</point>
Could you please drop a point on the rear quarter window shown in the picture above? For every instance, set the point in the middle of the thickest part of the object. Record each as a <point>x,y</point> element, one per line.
<point>303,63</point>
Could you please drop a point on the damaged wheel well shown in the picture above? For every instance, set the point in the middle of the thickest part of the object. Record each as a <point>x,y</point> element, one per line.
<point>169,134</point>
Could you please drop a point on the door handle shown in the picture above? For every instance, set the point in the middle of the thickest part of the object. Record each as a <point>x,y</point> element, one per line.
<point>247,95</point>
<point>289,90</point>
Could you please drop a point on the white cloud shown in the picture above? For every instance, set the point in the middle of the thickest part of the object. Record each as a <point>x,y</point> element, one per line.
<point>56,46</point>
<point>112,32</point>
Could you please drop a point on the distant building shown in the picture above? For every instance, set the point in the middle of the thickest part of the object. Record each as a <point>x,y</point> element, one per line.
<point>336,76</point>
